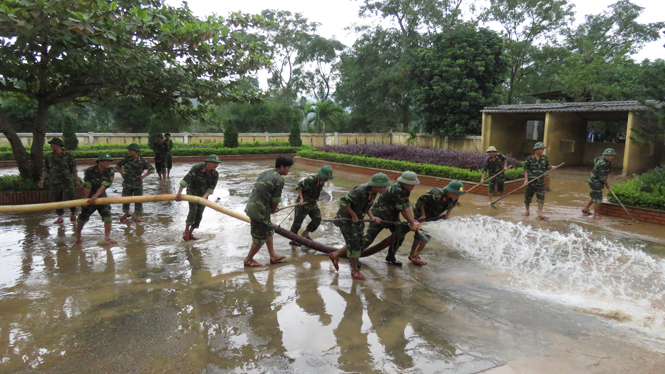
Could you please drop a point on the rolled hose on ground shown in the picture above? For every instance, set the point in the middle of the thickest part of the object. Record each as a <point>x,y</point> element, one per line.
<point>385,243</point>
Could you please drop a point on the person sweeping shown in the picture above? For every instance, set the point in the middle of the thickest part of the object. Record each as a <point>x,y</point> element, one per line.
<point>161,152</point>
<point>201,181</point>
<point>131,170</point>
<point>494,164</point>
<point>60,167</point>
<point>535,166</point>
<point>352,209</point>
<point>597,180</point>
<point>97,179</point>
<point>309,190</point>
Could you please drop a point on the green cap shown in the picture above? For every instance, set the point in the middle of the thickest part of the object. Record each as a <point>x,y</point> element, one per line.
<point>104,157</point>
<point>57,141</point>
<point>213,158</point>
<point>409,177</point>
<point>135,147</point>
<point>326,172</point>
<point>491,149</point>
<point>160,136</point>
<point>455,187</point>
<point>379,180</point>
<point>539,145</point>
<point>609,152</point>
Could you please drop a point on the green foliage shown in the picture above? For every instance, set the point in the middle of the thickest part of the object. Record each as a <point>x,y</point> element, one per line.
<point>268,116</point>
<point>69,134</point>
<point>455,77</point>
<point>230,135</point>
<point>646,190</point>
<point>14,183</point>
<point>425,169</point>
<point>322,113</point>
<point>294,135</point>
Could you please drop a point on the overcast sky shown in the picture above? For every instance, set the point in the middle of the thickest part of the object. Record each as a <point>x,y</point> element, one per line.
<point>336,15</point>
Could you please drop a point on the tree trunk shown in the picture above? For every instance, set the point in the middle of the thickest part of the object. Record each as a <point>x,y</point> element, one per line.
<point>38,137</point>
<point>20,154</point>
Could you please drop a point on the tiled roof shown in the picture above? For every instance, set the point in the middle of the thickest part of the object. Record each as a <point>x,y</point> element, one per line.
<point>601,106</point>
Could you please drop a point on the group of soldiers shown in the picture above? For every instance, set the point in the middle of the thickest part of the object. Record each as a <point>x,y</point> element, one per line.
<point>392,202</point>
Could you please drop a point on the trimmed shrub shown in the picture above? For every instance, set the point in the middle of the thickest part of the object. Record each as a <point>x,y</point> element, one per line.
<point>645,191</point>
<point>230,135</point>
<point>294,135</point>
<point>69,135</point>
<point>420,168</point>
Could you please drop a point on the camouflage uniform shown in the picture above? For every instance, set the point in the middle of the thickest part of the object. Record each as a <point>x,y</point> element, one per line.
<point>435,201</point>
<point>267,191</point>
<point>599,174</point>
<point>388,207</point>
<point>60,169</point>
<point>535,168</point>
<point>169,157</point>
<point>198,181</point>
<point>132,185</point>
<point>360,199</point>
<point>161,150</point>
<point>491,167</point>
<point>94,179</point>
<point>311,189</point>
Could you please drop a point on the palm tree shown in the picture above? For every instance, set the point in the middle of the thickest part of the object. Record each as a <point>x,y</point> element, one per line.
<point>325,112</point>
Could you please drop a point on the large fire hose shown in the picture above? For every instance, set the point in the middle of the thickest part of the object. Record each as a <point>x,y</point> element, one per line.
<point>385,243</point>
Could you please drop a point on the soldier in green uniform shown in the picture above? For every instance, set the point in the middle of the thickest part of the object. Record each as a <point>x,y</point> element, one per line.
<point>388,207</point>
<point>169,157</point>
<point>534,166</point>
<point>60,167</point>
<point>130,169</point>
<point>200,181</point>
<point>598,180</point>
<point>309,190</point>
<point>266,195</point>
<point>495,163</point>
<point>97,179</point>
<point>433,204</point>
<point>352,210</point>
<point>161,150</point>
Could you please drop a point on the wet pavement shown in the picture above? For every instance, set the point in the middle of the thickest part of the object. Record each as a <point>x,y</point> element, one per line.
<point>501,294</point>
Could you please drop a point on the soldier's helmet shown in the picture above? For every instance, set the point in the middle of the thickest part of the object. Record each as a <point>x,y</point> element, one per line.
<point>104,156</point>
<point>57,141</point>
<point>160,136</point>
<point>609,152</point>
<point>409,177</point>
<point>455,187</point>
<point>491,149</point>
<point>539,145</point>
<point>379,180</point>
<point>134,147</point>
<point>326,172</point>
<point>213,158</point>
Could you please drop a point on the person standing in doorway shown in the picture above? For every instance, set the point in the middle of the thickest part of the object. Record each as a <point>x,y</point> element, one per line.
<point>535,166</point>
<point>60,167</point>
<point>97,179</point>
<point>161,150</point>
<point>309,190</point>
<point>131,170</point>
<point>495,163</point>
<point>597,180</point>
<point>169,157</point>
<point>200,181</point>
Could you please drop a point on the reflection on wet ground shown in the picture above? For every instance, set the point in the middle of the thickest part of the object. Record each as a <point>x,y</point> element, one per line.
<point>154,303</point>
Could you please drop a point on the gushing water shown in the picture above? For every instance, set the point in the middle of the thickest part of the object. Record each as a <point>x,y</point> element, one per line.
<point>579,268</point>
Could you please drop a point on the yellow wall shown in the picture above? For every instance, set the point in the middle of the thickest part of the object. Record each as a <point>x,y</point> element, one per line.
<point>638,159</point>
<point>565,138</point>
<point>505,132</point>
<point>593,150</point>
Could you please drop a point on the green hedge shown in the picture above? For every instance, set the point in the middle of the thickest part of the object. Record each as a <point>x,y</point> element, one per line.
<point>636,193</point>
<point>180,152</point>
<point>424,169</point>
<point>15,183</point>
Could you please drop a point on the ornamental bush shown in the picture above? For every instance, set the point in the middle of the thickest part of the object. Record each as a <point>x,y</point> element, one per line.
<point>645,191</point>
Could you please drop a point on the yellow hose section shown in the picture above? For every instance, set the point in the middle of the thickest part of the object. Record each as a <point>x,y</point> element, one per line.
<point>120,200</point>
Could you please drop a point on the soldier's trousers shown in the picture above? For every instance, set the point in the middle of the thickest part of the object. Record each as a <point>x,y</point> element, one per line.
<point>302,211</point>
<point>354,237</point>
<point>104,212</point>
<point>535,188</point>
<point>596,192</point>
<point>160,166</point>
<point>400,232</point>
<point>63,193</point>
<point>169,161</point>
<point>133,191</point>
<point>497,183</point>
<point>195,214</point>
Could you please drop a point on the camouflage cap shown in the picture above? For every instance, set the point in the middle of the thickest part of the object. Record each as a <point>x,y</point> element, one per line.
<point>104,156</point>
<point>213,158</point>
<point>609,152</point>
<point>455,187</point>
<point>326,172</point>
<point>491,149</point>
<point>134,147</point>
<point>409,177</point>
<point>379,180</point>
<point>159,136</point>
<point>539,145</point>
<point>57,141</point>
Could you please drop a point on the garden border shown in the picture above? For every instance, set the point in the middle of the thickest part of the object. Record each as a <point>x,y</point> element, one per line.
<point>639,214</point>
<point>425,179</point>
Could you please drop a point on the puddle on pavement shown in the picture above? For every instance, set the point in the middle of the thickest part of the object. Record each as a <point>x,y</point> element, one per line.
<point>499,290</point>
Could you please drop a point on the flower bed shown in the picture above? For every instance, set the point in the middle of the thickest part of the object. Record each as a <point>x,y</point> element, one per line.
<point>418,155</point>
<point>104,147</point>
<point>644,191</point>
<point>420,168</point>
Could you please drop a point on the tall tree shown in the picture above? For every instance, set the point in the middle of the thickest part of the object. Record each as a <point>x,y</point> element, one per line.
<point>527,25</point>
<point>322,113</point>
<point>53,52</point>
<point>323,55</point>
